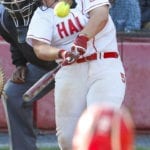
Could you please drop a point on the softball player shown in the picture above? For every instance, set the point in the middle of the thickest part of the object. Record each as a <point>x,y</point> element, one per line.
<point>94,74</point>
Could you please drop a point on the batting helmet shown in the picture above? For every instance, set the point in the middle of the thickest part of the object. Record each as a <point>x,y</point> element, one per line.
<point>104,128</point>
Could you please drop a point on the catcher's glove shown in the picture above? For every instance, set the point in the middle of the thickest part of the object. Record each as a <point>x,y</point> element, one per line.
<point>2,80</point>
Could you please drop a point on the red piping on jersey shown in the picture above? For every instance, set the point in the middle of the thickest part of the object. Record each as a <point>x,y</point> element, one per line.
<point>94,45</point>
<point>35,37</point>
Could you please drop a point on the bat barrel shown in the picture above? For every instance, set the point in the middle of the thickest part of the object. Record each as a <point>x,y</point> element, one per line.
<point>40,85</point>
<point>27,97</point>
<point>37,88</point>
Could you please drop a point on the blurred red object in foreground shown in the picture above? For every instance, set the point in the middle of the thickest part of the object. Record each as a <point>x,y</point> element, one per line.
<point>104,128</point>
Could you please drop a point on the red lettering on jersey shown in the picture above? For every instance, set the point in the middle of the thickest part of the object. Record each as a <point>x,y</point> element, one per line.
<point>62,30</point>
<point>72,27</point>
<point>78,23</point>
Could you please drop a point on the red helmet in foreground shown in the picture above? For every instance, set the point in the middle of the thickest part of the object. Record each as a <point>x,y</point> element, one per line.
<point>104,128</point>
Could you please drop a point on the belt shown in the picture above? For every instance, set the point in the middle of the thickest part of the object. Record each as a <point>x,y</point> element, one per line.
<point>95,56</point>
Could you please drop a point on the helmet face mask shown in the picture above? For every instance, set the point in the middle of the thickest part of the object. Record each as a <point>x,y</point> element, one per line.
<point>19,10</point>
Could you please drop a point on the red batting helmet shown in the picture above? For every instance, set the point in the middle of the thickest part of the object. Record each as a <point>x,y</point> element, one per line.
<point>104,128</point>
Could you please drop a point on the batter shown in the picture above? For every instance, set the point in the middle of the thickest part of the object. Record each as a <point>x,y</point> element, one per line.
<point>94,74</point>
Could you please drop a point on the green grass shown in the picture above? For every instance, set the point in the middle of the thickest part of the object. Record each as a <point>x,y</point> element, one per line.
<point>140,148</point>
<point>43,148</point>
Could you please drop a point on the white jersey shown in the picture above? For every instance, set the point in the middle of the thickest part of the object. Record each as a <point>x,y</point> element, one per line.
<point>60,32</point>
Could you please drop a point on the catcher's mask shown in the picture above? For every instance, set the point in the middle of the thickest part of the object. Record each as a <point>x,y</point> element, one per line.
<point>20,11</point>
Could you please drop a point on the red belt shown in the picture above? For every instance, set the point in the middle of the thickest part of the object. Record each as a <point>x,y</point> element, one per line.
<point>101,55</point>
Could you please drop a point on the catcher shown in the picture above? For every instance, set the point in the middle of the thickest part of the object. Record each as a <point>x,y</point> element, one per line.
<point>14,20</point>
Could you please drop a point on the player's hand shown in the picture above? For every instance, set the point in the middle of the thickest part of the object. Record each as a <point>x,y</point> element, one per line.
<point>19,75</point>
<point>80,45</point>
<point>67,56</point>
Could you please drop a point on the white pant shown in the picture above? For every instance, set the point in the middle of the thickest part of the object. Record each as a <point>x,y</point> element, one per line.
<point>81,85</point>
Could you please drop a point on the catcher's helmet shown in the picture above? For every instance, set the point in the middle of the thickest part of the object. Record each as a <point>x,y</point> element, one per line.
<point>104,128</point>
<point>20,11</point>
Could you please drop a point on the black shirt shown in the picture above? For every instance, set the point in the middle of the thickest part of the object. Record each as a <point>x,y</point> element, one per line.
<point>21,53</point>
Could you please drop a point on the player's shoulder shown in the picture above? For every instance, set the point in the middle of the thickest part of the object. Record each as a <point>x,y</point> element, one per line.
<point>88,5</point>
<point>91,1</point>
<point>43,12</point>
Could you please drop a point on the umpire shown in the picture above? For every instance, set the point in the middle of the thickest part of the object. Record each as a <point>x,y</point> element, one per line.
<point>14,20</point>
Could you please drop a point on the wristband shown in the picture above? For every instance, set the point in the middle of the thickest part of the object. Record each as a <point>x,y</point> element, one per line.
<point>85,35</point>
<point>60,53</point>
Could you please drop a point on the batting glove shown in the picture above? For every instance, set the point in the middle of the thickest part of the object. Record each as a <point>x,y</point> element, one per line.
<point>19,75</point>
<point>67,56</point>
<point>80,45</point>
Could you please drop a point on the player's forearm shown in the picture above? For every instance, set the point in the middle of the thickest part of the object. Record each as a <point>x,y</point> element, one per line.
<point>97,21</point>
<point>44,51</point>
